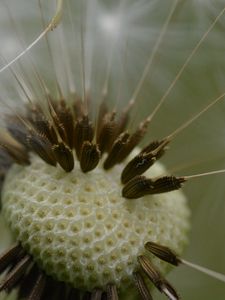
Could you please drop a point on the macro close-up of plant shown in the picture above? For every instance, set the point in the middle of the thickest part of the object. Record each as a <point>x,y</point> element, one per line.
<point>112,149</point>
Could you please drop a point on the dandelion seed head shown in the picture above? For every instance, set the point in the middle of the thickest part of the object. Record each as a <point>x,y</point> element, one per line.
<point>116,45</point>
<point>81,230</point>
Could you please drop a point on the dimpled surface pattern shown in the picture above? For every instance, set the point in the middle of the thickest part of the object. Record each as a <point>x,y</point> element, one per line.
<point>80,230</point>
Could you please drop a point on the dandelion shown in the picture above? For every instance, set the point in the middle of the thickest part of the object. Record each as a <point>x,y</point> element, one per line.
<point>92,209</point>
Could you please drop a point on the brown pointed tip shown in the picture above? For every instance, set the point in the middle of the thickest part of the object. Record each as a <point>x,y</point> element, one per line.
<point>64,156</point>
<point>163,253</point>
<point>90,156</point>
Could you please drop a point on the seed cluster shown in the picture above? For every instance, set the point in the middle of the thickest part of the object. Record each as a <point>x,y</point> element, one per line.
<point>69,135</point>
<point>68,201</point>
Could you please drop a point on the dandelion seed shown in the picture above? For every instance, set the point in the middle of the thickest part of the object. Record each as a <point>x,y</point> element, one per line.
<point>93,212</point>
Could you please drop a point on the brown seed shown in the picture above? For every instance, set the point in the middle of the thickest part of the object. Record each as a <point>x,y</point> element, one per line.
<point>138,165</point>
<point>89,157</point>
<point>65,123</point>
<point>55,112</point>
<point>123,120</point>
<point>42,125</point>
<point>163,253</point>
<point>136,187</point>
<point>15,274</point>
<point>141,286</point>
<point>8,256</point>
<point>38,288</point>
<point>84,131</point>
<point>120,123</point>
<point>152,273</point>
<point>117,148</point>
<point>156,278</point>
<point>27,281</point>
<point>64,156</point>
<point>106,134</point>
<point>152,146</point>
<point>166,184</point>
<point>134,140</point>
<point>144,160</point>
<point>111,291</point>
<point>140,186</point>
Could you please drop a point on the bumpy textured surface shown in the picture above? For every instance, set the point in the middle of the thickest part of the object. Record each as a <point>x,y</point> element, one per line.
<point>79,228</point>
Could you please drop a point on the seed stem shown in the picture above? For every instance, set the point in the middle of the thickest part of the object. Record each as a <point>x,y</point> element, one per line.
<point>154,51</point>
<point>53,24</point>
<point>180,72</point>
<point>204,270</point>
<point>195,117</point>
<point>204,174</point>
